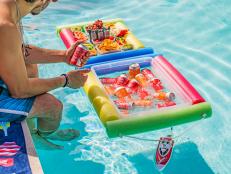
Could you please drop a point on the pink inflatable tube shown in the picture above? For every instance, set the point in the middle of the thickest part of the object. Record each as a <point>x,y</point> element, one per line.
<point>67,37</point>
<point>185,86</point>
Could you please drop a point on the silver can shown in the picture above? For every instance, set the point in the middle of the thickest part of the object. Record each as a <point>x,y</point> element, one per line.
<point>100,34</point>
<point>94,35</point>
<point>106,33</point>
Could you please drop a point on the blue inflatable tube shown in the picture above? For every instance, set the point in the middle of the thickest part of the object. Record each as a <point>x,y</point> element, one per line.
<point>119,55</point>
<point>144,52</point>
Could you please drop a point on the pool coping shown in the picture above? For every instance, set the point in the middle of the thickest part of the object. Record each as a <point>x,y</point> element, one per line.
<point>35,165</point>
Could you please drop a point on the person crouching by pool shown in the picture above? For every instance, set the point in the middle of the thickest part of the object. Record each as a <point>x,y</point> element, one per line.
<point>22,91</point>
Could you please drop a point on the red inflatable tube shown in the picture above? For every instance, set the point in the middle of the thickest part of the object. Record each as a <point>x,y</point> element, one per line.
<point>67,37</point>
<point>185,86</point>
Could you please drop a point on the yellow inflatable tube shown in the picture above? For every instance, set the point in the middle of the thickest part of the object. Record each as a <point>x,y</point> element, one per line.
<point>100,101</point>
<point>130,38</point>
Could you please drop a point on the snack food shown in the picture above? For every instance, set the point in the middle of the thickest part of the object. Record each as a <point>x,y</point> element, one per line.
<point>122,33</point>
<point>77,28</point>
<point>79,36</point>
<point>127,46</point>
<point>91,49</point>
<point>96,25</point>
<point>107,46</point>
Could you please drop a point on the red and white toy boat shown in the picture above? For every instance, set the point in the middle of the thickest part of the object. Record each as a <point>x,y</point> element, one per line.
<point>163,152</point>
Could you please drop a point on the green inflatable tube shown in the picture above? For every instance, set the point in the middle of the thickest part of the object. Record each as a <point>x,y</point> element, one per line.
<point>158,120</point>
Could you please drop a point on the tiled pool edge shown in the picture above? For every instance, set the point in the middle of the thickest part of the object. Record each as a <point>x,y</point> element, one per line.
<point>34,161</point>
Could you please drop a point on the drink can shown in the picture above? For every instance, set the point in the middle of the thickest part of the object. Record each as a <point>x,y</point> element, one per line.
<point>123,105</point>
<point>121,92</point>
<point>100,34</point>
<point>166,104</point>
<point>143,103</point>
<point>134,69</point>
<point>79,55</point>
<point>158,87</point>
<point>144,94</point>
<point>107,81</point>
<point>133,85</point>
<point>164,96</point>
<point>148,74</point>
<point>155,81</point>
<point>89,32</point>
<point>141,79</point>
<point>94,35</point>
<point>122,80</point>
<point>106,32</point>
<point>170,96</point>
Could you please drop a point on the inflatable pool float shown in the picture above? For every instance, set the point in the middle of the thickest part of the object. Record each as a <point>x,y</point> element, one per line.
<point>187,107</point>
<point>124,42</point>
<point>156,96</point>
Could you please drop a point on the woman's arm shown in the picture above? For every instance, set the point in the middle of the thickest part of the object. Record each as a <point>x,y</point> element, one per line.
<point>13,70</point>
<point>36,55</point>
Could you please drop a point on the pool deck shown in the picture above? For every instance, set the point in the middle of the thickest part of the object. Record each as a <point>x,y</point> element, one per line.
<point>34,161</point>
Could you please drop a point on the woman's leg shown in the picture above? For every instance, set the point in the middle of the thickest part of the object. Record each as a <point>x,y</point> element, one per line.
<point>48,111</point>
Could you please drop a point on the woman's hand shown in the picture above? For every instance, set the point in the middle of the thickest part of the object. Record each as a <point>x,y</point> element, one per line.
<point>77,78</point>
<point>70,51</point>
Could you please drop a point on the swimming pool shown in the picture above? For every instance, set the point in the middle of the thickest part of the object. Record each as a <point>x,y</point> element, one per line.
<point>195,37</point>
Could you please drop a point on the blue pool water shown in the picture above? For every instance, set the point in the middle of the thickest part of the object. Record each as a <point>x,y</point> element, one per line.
<point>195,37</point>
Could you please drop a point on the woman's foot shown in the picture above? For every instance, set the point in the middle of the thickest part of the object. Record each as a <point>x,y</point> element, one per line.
<point>43,143</point>
<point>63,135</point>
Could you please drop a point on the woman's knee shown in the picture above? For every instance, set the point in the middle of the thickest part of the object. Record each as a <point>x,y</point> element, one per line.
<point>56,108</point>
<point>47,106</point>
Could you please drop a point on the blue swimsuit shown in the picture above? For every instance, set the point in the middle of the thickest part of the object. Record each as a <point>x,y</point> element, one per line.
<point>12,109</point>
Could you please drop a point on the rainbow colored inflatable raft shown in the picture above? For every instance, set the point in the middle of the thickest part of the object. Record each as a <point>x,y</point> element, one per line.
<point>187,106</point>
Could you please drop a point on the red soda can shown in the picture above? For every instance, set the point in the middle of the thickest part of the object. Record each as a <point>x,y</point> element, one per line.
<point>155,81</point>
<point>134,69</point>
<point>122,80</point>
<point>166,104</point>
<point>78,57</point>
<point>123,105</point>
<point>108,81</point>
<point>158,87</point>
<point>133,85</point>
<point>121,92</point>
<point>148,74</point>
<point>164,96</point>
<point>144,94</point>
<point>141,79</point>
<point>143,103</point>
